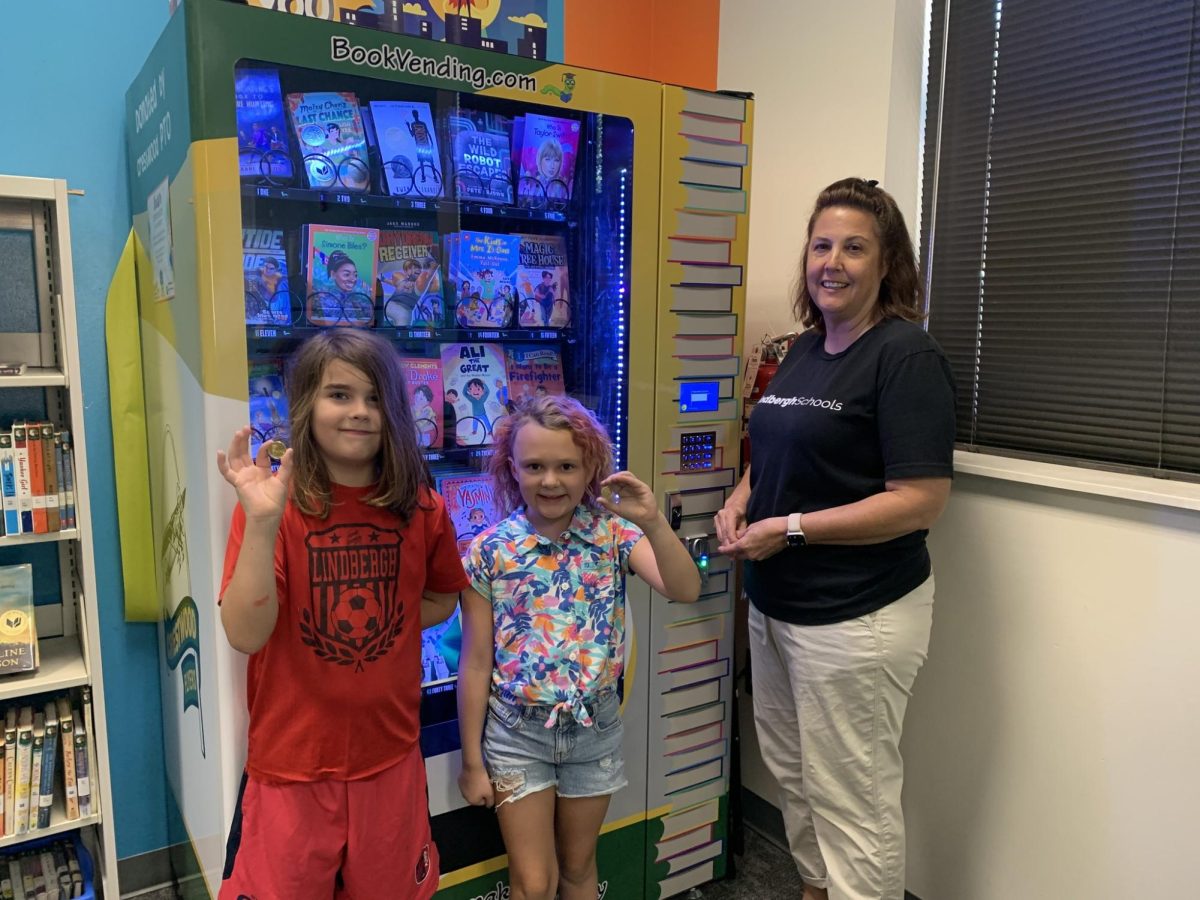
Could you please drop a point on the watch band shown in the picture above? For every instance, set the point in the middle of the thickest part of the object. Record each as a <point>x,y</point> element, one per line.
<point>795,531</point>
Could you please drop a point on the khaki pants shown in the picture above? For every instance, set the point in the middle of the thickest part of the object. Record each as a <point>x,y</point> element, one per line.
<point>829,704</point>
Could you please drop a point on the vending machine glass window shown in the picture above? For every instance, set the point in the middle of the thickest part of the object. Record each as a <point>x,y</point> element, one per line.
<point>487,239</point>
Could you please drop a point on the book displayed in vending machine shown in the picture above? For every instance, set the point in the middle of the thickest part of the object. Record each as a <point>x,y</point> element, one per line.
<point>340,266</point>
<point>410,276</point>
<point>333,144</point>
<point>476,385</point>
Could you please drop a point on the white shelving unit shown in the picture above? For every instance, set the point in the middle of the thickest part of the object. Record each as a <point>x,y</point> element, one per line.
<point>69,634</point>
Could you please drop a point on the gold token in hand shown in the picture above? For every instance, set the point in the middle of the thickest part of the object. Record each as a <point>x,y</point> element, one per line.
<point>276,449</point>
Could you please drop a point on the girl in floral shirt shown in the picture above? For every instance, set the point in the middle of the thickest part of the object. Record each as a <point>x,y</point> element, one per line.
<point>543,638</point>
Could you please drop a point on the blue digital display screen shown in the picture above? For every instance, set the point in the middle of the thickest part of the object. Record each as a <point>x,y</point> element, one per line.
<point>698,396</point>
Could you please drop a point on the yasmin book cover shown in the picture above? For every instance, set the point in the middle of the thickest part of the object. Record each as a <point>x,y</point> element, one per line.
<point>532,371</point>
<point>410,273</point>
<point>483,278</point>
<point>476,385</point>
<point>333,145</point>
<point>547,153</point>
<point>18,635</point>
<point>408,148</point>
<point>340,266</point>
<point>268,404</point>
<point>425,395</point>
<point>481,149</point>
<point>543,281</point>
<point>264,148</point>
<point>471,503</point>
<point>264,265</point>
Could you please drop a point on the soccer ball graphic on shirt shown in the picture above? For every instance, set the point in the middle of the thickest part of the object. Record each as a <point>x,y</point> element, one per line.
<point>355,614</point>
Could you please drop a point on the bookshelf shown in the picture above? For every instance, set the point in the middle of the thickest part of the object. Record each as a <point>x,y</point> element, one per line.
<point>68,631</point>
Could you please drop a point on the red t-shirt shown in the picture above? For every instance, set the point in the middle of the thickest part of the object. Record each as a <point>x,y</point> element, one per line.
<point>336,691</point>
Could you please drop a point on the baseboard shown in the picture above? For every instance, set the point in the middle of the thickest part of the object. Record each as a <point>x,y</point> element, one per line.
<point>144,871</point>
<point>765,818</point>
<point>176,865</point>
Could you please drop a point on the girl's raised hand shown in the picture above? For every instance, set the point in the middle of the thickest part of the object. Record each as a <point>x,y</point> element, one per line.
<point>631,498</point>
<point>263,494</point>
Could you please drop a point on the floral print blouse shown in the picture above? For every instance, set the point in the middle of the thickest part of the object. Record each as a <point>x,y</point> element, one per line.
<point>558,607</point>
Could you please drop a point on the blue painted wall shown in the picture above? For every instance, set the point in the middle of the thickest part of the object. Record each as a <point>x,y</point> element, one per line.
<point>71,63</point>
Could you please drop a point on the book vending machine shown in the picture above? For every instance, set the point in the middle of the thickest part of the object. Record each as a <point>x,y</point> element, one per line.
<point>513,227</point>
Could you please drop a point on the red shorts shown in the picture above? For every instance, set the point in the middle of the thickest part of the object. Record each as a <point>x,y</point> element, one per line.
<point>353,840</point>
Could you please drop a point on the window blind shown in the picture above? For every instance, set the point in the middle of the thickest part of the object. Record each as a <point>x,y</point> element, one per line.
<point>1061,228</point>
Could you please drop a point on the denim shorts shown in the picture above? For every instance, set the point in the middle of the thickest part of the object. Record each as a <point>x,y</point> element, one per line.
<point>524,756</point>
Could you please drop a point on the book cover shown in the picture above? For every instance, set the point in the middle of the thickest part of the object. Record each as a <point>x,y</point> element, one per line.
<point>50,477</point>
<point>67,753</point>
<point>268,404</point>
<point>18,635</point>
<point>264,148</point>
<point>547,151</point>
<point>24,765</point>
<point>483,277</point>
<point>543,281</point>
<point>477,389</point>
<point>408,148</point>
<point>532,371</point>
<point>333,145</point>
<point>340,266</point>
<point>265,274</point>
<point>37,476</point>
<point>10,769</point>
<point>410,274</point>
<point>69,478</point>
<point>35,770</point>
<point>49,765</point>
<point>60,474</point>
<point>83,782</point>
<point>8,485</point>
<point>471,504</point>
<point>481,154</point>
<point>21,466</point>
<point>425,395</point>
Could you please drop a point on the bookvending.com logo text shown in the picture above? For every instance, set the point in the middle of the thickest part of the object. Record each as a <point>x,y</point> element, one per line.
<point>448,68</point>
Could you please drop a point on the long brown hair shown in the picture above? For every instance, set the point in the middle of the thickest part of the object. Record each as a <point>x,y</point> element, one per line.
<point>901,294</point>
<point>402,469</point>
<point>558,413</point>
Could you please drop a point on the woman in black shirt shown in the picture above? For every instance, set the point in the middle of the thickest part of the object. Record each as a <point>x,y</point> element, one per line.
<point>851,461</point>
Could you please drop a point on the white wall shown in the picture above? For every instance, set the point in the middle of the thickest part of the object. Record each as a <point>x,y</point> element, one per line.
<point>820,74</point>
<point>1053,734</point>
